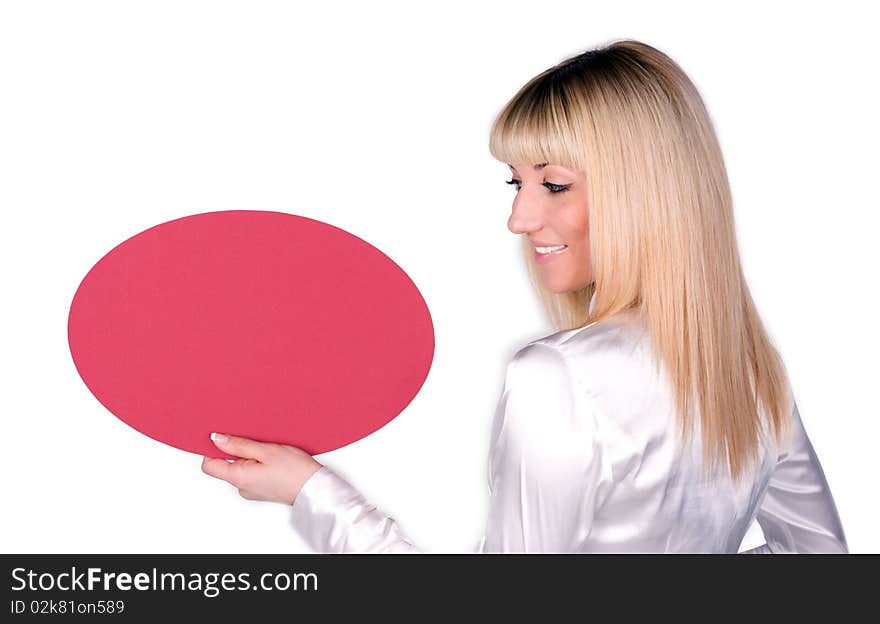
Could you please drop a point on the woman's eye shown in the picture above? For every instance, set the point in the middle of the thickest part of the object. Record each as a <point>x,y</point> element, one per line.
<point>556,188</point>
<point>553,188</point>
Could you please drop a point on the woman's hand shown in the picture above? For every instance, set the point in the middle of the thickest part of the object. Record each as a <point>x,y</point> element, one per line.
<point>264,471</point>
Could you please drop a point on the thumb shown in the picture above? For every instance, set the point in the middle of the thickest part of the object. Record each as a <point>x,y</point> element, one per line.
<point>238,446</point>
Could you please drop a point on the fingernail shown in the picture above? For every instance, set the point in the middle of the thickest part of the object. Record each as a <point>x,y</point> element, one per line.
<point>219,438</point>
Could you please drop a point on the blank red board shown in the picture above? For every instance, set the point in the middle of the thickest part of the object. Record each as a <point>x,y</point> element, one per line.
<point>262,324</point>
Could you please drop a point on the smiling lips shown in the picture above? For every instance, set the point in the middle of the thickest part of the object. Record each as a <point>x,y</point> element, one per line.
<point>545,254</point>
<point>544,249</point>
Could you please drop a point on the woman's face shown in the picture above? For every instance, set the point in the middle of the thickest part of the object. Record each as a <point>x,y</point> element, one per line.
<point>550,207</point>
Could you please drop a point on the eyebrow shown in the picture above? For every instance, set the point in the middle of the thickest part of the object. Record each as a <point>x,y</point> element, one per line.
<point>536,167</point>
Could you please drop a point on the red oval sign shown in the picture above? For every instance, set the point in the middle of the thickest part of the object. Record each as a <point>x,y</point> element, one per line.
<point>261,324</point>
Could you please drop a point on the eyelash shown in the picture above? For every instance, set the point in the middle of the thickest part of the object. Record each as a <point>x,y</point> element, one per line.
<point>553,188</point>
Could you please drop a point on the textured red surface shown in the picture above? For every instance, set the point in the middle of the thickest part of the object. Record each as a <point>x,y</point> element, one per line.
<point>262,324</point>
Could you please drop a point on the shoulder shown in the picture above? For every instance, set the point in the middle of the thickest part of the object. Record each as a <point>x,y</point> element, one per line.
<point>608,364</point>
<point>577,361</point>
<point>606,345</point>
<point>544,399</point>
<point>539,372</point>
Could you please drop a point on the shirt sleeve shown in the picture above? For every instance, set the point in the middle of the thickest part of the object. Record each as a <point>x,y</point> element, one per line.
<point>545,469</point>
<point>332,516</point>
<point>797,513</point>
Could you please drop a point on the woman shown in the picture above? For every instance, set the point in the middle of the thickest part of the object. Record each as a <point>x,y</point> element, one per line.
<point>659,417</point>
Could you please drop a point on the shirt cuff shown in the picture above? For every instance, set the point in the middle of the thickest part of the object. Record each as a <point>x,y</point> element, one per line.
<point>332,516</point>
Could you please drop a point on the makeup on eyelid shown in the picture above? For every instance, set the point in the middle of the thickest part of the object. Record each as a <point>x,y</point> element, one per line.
<point>553,188</point>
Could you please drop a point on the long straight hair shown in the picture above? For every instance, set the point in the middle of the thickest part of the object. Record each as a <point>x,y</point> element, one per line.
<point>662,237</point>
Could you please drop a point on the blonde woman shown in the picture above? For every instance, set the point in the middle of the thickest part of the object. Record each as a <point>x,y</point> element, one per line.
<point>659,417</point>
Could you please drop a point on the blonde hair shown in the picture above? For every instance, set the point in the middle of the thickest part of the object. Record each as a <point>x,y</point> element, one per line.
<point>662,240</point>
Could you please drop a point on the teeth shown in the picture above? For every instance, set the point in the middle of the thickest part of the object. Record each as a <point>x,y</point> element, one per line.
<point>545,250</point>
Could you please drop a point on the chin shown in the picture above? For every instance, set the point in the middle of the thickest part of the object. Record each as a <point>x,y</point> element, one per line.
<point>558,288</point>
<point>564,287</point>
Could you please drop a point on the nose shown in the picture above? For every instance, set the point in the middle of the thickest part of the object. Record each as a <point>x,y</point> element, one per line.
<point>527,214</point>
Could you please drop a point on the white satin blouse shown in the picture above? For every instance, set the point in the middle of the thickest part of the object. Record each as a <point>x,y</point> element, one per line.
<point>582,460</point>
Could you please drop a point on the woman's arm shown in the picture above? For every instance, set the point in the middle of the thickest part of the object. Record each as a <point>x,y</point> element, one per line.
<point>797,513</point>
<point>545,470</point>
<point>332,516</point>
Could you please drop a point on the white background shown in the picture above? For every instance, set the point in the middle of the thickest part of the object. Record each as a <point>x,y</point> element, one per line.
<point>374,117</point>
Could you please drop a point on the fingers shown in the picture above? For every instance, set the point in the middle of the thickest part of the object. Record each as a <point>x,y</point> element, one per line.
<point>241,447</point>
<point>231,472</point>
<point>221,469</point>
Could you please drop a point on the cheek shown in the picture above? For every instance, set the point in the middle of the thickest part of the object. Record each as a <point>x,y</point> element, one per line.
<point>577,217</point>
<point>584,220</point>
<point>577,226</point>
